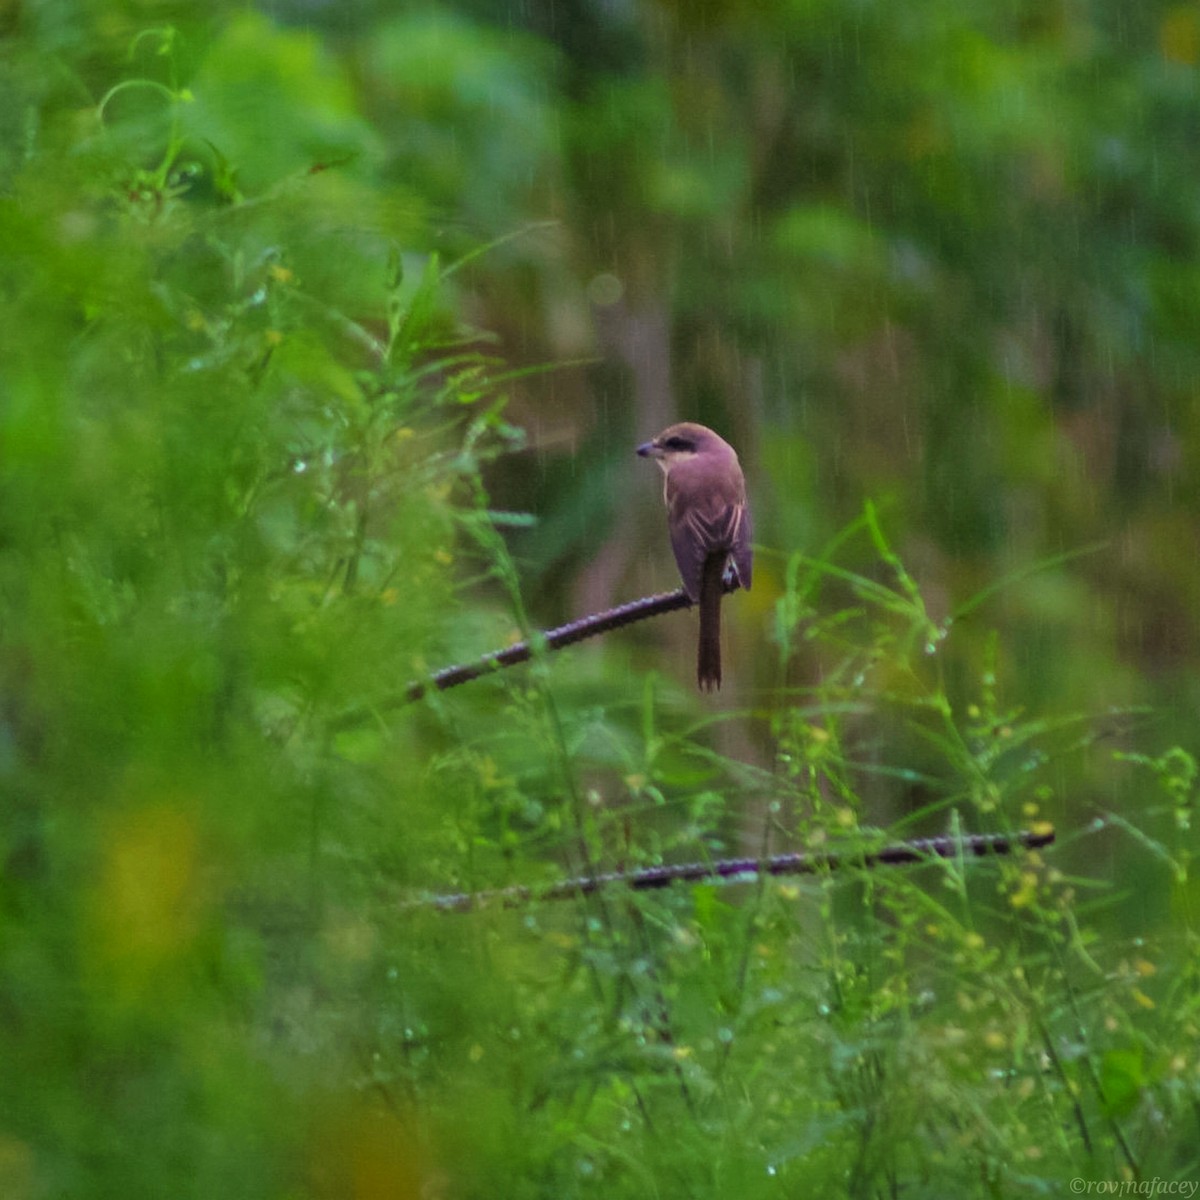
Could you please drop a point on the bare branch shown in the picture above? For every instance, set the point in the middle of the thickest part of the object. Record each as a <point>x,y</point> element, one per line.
<point>974,845</point>
<point>555,639</point>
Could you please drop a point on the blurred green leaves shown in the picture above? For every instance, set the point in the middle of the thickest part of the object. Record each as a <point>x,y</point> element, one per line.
<point>277,104</point>
<point>468,114</point>
<point>233,451</point>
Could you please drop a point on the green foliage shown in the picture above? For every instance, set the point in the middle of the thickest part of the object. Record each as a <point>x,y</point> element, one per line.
<point>234,457</point>
<point>251,442</point>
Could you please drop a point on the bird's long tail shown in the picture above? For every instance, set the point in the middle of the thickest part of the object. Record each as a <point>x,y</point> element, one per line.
<point>708,655</point>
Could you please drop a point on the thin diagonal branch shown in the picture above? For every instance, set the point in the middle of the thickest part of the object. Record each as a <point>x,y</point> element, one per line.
<point>554,639</point>
<point>977,845</point>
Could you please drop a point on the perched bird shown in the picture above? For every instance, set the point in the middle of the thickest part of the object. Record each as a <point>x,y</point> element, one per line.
<point>709,522</point>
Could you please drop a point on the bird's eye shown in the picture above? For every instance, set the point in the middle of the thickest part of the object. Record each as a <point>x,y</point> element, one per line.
<point>677,443</point>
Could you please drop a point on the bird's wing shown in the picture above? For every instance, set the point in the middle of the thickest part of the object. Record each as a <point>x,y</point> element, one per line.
<point>697,533</point>
<point>743,535</point>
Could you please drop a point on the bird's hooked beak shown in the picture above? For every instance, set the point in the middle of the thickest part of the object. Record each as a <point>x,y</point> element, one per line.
<point>650,450</point>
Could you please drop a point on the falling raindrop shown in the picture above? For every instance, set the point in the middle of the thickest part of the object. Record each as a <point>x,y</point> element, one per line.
<point>605,289</point>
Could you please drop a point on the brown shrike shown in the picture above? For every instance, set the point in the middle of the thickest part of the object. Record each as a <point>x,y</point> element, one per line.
<point>709,522</point>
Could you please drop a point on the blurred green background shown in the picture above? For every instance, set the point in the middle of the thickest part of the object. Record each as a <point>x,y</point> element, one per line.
<point>327,331</point>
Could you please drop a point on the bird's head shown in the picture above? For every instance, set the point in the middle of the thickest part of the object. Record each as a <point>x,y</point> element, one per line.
<point>680,443</point>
